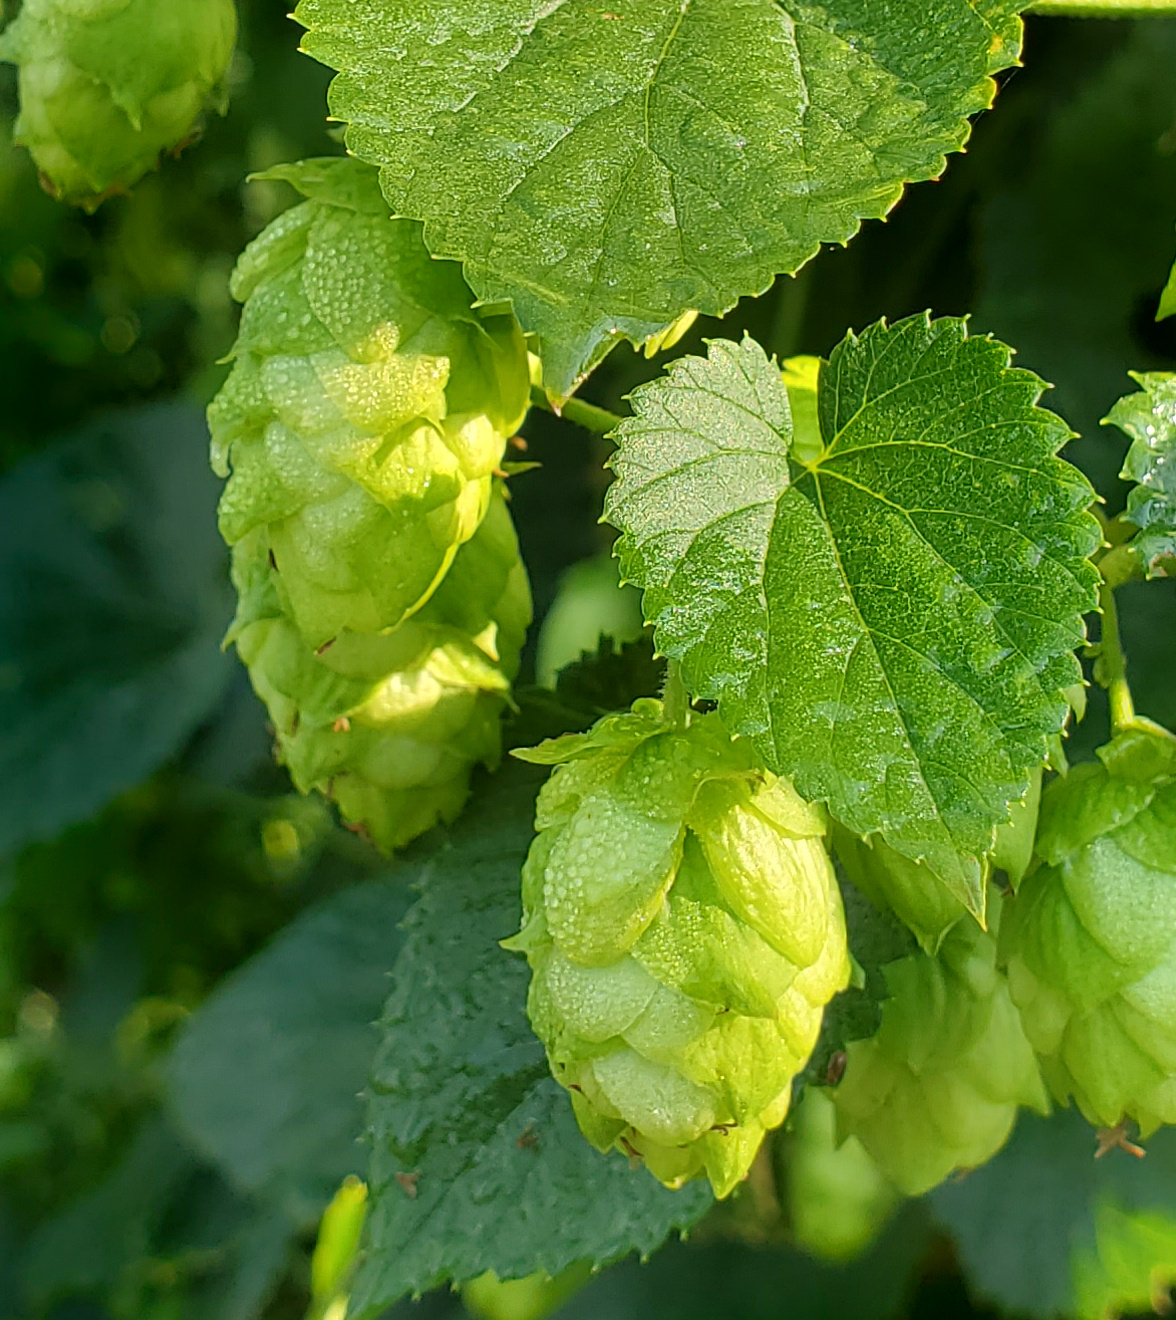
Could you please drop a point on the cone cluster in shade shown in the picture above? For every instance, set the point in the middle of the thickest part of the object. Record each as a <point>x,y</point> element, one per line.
<point>383,603</point>
<point>937,1088</point>
<point>685,932</point>
<point>1090,940</point>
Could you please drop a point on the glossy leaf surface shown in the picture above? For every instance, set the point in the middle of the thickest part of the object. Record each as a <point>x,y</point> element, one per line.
<point>892,620</point>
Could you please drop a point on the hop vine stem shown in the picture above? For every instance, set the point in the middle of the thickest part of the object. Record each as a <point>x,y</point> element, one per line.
<point>598,420</point>
<point>675,698</point>
<point>1112,663</point>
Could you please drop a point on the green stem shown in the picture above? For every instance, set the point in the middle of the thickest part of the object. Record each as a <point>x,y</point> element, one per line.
<point>1112,663</point>
<point>1103,8</point>
<point>598,420</point>
<point>675,698</point>
<point>1119,562</point>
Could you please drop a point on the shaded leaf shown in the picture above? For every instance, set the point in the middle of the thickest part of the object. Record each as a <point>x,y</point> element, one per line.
<point>1029,1224</point>
<point>477,1163</point>
<point>1090,142</point>
<point>266,1077</point>
<point>608,170</point>
<point>893,620</point>
<point>113,600</point>
<point>595,685</point>
<point>689,1282</point>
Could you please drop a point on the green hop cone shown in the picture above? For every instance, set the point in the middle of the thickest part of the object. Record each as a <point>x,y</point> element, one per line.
<point>1090,939</point>
<point>937,1088</point>
<point>391,725</point>
<point>107,85</point>
<point>685,932</point>
<point>892,882</point>
<point>838,1199</point>
<point>913,891</point>
<point>367,409</point>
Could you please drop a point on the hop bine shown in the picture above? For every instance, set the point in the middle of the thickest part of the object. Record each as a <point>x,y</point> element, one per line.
<point>1090,939</point>
<point>107,85</point>
<point>684,931</point>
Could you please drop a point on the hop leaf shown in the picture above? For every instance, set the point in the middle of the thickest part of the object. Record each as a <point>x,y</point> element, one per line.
<point>684,932</point>
<point>1090,941</point>
<point>937,1089</point>
<point>367,408</point>
<point>391,725</point>
<point>107,85</point>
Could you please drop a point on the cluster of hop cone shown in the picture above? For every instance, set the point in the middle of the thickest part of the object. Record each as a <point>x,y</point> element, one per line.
<point>681,913</point>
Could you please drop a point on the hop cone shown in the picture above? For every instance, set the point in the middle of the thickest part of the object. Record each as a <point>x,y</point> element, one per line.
<point>367,408</point>
<point>107,85</point>
<point>390,725</point>
<point>684,931</point>
<point>913,891</point>
<point>1090,940</point>
<point>938,1087</point>
<point>838,1199</point>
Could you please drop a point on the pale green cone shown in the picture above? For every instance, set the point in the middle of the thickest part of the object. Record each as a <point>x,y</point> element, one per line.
<point>367,408</point>
<point>1090,940</point>
<point>937,1088</point>
<point>685,932</point>
<point>106,86</point>
<point>838,1199</point>
<point>913,891</point>
<point>390,726</point>
<point>892,882</point>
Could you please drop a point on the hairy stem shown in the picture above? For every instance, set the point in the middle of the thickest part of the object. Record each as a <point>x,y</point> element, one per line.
<point>675,698</point>
<point>1111,669</point>
<point>598,420</point>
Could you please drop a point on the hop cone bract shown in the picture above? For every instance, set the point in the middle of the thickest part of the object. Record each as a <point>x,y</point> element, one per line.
<point>684,931</point>
<point>107,85</point>
<point>938,1086</point>
<point>367,409</point>
<point>1090,940</point>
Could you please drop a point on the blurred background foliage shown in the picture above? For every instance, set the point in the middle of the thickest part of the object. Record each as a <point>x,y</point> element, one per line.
<point>190,956</point>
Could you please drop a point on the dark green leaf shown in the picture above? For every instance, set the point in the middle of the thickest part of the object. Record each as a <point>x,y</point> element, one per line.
<point>607,170</point>
<point>267,1076</point>
<point>87,1247</point>
<point>594,685</point>
<point>1149,419</point>
<point>1094,143</point>
<point>1028,1219</point>
<point>734,1282</point>
<point>477,1162</point>
<point>893,620</point>
<point>113,599</point>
